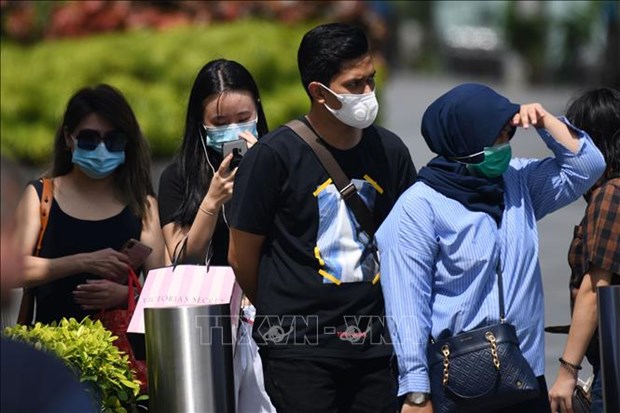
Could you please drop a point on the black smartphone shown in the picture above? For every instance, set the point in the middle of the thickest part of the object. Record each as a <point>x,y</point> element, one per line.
<point>238,148</point>
<point>137,252</point>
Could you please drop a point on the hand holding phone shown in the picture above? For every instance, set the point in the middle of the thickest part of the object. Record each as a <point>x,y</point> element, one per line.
<point>137,252</point>
<point>238,148</point>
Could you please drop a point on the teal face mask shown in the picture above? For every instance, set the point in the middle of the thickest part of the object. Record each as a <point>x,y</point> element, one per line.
<point>217,135</point>
<point>496,161</point>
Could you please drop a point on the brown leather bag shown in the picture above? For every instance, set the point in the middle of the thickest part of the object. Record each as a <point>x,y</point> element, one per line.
<point>26,308</point>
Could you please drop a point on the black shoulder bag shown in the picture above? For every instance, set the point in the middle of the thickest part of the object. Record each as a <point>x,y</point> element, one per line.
<point>343,183</point>
<point>480,370</point>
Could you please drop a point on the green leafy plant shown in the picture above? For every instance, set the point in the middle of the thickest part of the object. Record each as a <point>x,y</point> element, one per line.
<point>87,348</point>
<point>155,70</point>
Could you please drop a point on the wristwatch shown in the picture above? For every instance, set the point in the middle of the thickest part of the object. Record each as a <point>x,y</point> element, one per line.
<point>418,398</point>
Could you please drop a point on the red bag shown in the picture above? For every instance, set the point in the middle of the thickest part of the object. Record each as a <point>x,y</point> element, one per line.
<point>117,320</point>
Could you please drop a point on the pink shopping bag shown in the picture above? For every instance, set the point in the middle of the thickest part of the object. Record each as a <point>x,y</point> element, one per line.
<point>187,285</point>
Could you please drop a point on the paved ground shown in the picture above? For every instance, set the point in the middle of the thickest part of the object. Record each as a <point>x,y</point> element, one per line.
<point>404,100</point>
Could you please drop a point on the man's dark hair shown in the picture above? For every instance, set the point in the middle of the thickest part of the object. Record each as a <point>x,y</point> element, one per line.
<point>597,111</point>
<point>324,49</point>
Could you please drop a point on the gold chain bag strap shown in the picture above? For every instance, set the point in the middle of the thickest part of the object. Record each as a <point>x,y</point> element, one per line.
<point>482,369</point>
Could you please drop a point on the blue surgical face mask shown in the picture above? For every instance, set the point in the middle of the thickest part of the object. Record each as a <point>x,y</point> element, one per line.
<point>495,163</point>
<point>98,163</point>
<point>217,135</point>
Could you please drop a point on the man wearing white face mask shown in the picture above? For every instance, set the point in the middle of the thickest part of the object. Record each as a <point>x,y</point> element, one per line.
<point>302,256</point>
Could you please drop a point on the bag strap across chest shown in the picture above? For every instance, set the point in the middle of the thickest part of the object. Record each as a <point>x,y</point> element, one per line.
<point>345,186</point>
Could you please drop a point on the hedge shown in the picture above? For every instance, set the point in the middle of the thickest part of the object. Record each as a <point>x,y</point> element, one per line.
<point>155,71</point>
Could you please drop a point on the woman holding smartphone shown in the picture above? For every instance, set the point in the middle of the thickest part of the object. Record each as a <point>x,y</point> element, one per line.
<point>224,107</point>
<point>102,197</point>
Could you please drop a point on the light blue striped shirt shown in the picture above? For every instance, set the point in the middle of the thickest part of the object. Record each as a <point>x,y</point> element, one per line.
<point>438,259</point>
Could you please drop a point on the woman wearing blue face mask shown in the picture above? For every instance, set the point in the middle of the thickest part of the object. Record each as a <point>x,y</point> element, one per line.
<point>469,220</point>
<point>224,105</point>
<point>102,197</point>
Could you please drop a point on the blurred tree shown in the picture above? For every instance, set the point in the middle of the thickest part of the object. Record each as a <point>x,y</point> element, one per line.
<point>526,33</point>
<point>611,61</point>
<point>415,19</point>
<point>577,35</point>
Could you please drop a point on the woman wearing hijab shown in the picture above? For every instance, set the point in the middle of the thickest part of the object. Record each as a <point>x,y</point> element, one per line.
<point>474,208</point>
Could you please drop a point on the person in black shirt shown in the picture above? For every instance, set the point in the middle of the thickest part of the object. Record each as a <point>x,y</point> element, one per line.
<point>102,197</point>
<point>300,254</point>
<point>224,105</point>
<point>30,380</point>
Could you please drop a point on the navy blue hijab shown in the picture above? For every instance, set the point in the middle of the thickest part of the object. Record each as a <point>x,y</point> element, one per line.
<point>458,124</point>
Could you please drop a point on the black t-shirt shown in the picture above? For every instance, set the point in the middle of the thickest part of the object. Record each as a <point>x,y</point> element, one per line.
<point>66,235</point>
<point>170,198</point>
<point>318,290</point>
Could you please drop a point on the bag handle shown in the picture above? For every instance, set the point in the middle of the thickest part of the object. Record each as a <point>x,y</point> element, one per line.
<point>180,247</point>
<point>133,288</point>
<point>178,250</point>
<point>133,282</point>
<point>26,307</point>
<point>500,289</point>
<point>347,189</point>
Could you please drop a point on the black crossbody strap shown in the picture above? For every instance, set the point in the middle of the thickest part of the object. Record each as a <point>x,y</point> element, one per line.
<point>500,288</point>
<point>500,292</point>
<point>341,180</point>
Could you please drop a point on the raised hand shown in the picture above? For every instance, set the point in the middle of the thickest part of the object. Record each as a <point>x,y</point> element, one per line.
<point>221,187</point>
<point>530,114</point>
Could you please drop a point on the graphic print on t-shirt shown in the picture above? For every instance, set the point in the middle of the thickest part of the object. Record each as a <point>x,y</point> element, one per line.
<point>343,249</point>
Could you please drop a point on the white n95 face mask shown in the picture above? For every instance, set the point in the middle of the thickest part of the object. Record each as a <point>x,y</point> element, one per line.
<point>358,110</point>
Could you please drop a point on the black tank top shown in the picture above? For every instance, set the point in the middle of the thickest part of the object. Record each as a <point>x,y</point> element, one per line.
<point>66,235</point>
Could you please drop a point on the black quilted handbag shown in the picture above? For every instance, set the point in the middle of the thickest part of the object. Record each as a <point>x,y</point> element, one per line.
<point>481,370</point>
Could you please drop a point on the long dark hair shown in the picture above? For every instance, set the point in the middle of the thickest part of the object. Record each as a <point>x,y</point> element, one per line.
<point>215,77</point>
<point>597,111</point>
<point>132,179</point>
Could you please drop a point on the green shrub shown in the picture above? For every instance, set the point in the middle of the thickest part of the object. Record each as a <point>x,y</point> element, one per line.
<point>155,71</point>
<point>87,348</point>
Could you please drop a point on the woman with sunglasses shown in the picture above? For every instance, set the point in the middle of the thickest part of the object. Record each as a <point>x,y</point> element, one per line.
<point>224,106</point>
<point>102,197</point>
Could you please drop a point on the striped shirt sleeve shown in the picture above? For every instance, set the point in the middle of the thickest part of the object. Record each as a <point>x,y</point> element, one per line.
<point>557,181</point>
<point>408,249</point>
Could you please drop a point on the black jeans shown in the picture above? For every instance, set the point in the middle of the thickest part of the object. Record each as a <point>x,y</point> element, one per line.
<point>330,385</point>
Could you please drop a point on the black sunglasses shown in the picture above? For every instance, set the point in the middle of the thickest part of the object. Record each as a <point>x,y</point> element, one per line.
<point>89,139</point>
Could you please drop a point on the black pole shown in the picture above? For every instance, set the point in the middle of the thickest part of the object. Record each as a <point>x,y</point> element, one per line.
<point>609,334</point>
